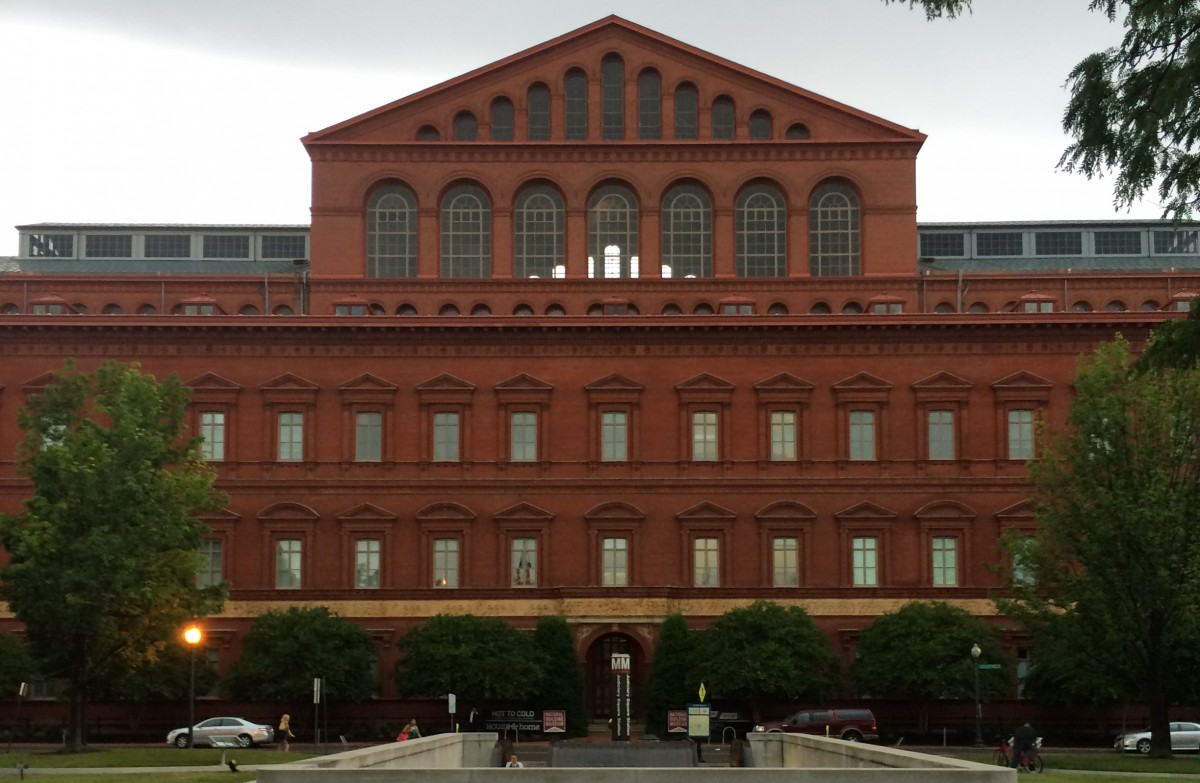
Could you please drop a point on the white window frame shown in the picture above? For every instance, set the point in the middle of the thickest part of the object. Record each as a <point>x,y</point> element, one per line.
<point>291,436</point>
<point>614,562</point>
<point>785,561</point>
<point>864,561</point>
<point>212,434</point>
<point>368,553</point>
<point>289,564</point>
<point>944,561</point>
<point>523,561</point>
<point>783,435</point>
<point>862,435</point>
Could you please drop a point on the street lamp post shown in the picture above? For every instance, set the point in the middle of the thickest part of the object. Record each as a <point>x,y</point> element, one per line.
<point>193,636</point>
<point>975,653</point>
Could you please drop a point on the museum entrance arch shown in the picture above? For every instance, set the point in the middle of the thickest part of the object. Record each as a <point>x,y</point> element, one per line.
<point>598,673</point>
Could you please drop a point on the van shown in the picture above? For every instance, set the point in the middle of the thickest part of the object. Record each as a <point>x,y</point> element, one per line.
<point>852,725</point>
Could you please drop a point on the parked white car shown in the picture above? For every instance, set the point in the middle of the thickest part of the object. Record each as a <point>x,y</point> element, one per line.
<point>245,733</point>
<point>1184,736</point>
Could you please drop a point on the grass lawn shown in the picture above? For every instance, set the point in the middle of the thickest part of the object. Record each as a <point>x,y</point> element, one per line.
<point>1136,768</point>
<point>152,759</point>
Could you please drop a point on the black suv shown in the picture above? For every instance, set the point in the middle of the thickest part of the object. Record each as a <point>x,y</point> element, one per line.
<point>853,725</point>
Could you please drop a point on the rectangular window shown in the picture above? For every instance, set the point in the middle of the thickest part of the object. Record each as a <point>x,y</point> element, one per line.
<point>366,563</point>
<point>863,565</point>
<point>785,562</point>
<point>287,563</point>
<point>783,436</point>
<point>108,245</point>
<point>1166,243</point>
<point>614,444</point>
<point>211,568</point>
<point>524,562</point>
<point>445,436</point>
<point>615,564</point>
<point>524,437</point>
<point>1118,243</point>
<point>226,246</point>
<point>291,437</point>
<point>212,433</point>
<point>999,243</point>
<point>167,246</point>
<point>862,435</point>
<point>941,434</point>
<point>1058,243</point>
<point>1022,570</point>
<point>368,436</point>
<point>1020,434</point>
<point>706,562</point>
<point>283,246</point>
<point>945,561</point>
<point>445,562</point>
<point>51,245</point>
<point>704,436</point>
<point>952,245</point>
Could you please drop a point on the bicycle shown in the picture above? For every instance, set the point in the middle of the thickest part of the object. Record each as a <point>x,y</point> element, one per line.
<point>1030,761</point>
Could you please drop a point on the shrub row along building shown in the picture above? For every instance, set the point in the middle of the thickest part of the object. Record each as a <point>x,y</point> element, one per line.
<point>612,328</point>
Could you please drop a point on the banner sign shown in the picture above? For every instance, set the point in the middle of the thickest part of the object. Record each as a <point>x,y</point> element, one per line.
<point>677,721</point>
<point>513,720</point>
<point>554,721</point>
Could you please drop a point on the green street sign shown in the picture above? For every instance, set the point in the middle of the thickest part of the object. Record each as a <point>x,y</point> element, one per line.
<point>989,666</point>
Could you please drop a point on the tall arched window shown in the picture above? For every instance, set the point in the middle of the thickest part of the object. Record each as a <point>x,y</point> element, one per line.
<point>538,107</point>
<point>761,125</point>
<point>466,233</point>
<point>575,105</point>
<point>687,112</point>
<point>612,98</point>
<point>760,221</point>
<point>833,238</point>
<point>392,232</point>
<point>687,232</point>
<point>722,118</point>
<point>538,230</point>
<point>465,126</point>
<point>649,87</point>
<point>612,233</point>
<point>502,120</point>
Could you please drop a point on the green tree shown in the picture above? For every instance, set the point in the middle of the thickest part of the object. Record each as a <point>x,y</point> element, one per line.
<point>1173,345</point>
<point>475,658</point>
<point>1116,491</point>
<point>16,666</point>
<point>673,681</point>
<point>1134,108</point>
<point>285,650</point>
<point>922,652</point>
<point>767,651</point>
<point>561,675</point>
<point>102,563</point>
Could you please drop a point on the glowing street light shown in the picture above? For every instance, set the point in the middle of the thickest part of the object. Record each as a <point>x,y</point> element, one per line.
<point>193,636</point>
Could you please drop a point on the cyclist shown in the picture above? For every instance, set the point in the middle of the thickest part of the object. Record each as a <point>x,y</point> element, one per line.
<point>1024,740</point>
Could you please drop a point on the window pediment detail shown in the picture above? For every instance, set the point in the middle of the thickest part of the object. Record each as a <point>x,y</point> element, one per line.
<point>289,388</point>
<point>288,511</point>
<point>865,511</point>
<point>706,512</point>
<point>614,511</point>
<point>1020,514</point>
<point>705,388</point>
<point>942,386</point>
<point>523,512</point>
<point>443,512</point>
<point>367,512</point>
<point>784,388</point>
<point>945,511</point>
<point>784,510</point>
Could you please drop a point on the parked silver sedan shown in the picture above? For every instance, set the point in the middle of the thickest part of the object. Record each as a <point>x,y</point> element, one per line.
<point>1184,736</point>
<point>245,733</point>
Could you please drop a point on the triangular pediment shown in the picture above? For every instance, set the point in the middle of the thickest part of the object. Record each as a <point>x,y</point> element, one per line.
<point>523,512</point>
<point>217,515</point>
<point>862,381</point>
<point>368,382</point>
<point>864,511</point>
<point>523,382</point>
<point>705,510</point>
<point>367,512</point>
<point>615,510</point>
<point>614,382</point>
<point>943,381</point>
<point>445,382</point>
<point>640,48</point>
<point>705,382</point>
<point>210,381</point>
<point>289,382</point>
<point>39,383</point>
<point>445,511</point>
<point>784,381</point>
<point>1022,380</point>
<point>944,509</point>
<point>1022,513</point>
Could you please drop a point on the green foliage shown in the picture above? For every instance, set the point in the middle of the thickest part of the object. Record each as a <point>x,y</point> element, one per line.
<point>767,651</point>
<point>673,681</point>
<point>16,666</point>
<point>561,675</point>
<point>284,651</point>
<point>165,678</point>
<point>1116,493</point>
<point>102,563</point>
<point>473,657</point>
<point>1173,345</point>
<point>935,9</point>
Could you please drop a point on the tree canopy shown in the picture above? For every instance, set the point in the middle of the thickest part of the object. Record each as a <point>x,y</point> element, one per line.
<point>922,652</point>
<point>767,651</point>
<point>102,563</point>
<point>673,680</point>
<point>285,650</point>
<point>475,658</point>
<point>561,685</point>
<point>1133,109</point>
<point>1116,554</point>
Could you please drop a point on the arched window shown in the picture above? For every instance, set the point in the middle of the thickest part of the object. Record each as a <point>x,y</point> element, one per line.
<point>109,309</point>
<point>612,98</point>
<point>687,232</point>
<point>760,125</point>
<point>760,221</point>
<point>722,118</point>
<point>392,232</point>
<point>797,131</point>
<point>833,231</point>
<point>538,106</point>
<point>428,133</point>
<point>575,105</point>
<point>687,111</point>
<point>502,120</point>
<point>465,126</point>
<point>612,233</point>
<point>649,87</point>
<point>466,233</point>
<point>538,226</point>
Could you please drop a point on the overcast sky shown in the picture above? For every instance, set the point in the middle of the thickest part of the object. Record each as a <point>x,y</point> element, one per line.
<point>190,111</point>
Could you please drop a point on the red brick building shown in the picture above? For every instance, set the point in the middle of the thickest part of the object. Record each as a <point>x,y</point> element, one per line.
<point>612,328</point>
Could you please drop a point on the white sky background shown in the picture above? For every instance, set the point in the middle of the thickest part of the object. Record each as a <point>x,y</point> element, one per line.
<point>190,111</point>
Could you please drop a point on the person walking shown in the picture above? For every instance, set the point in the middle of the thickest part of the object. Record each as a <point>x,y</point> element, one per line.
<point>410,731</point>
<point>284,732</point>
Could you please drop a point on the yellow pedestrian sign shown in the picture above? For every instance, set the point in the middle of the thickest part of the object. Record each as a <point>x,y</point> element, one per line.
<point>702,691</point>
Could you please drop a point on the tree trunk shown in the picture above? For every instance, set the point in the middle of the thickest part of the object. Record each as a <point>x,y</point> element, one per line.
<point>76,739</point>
